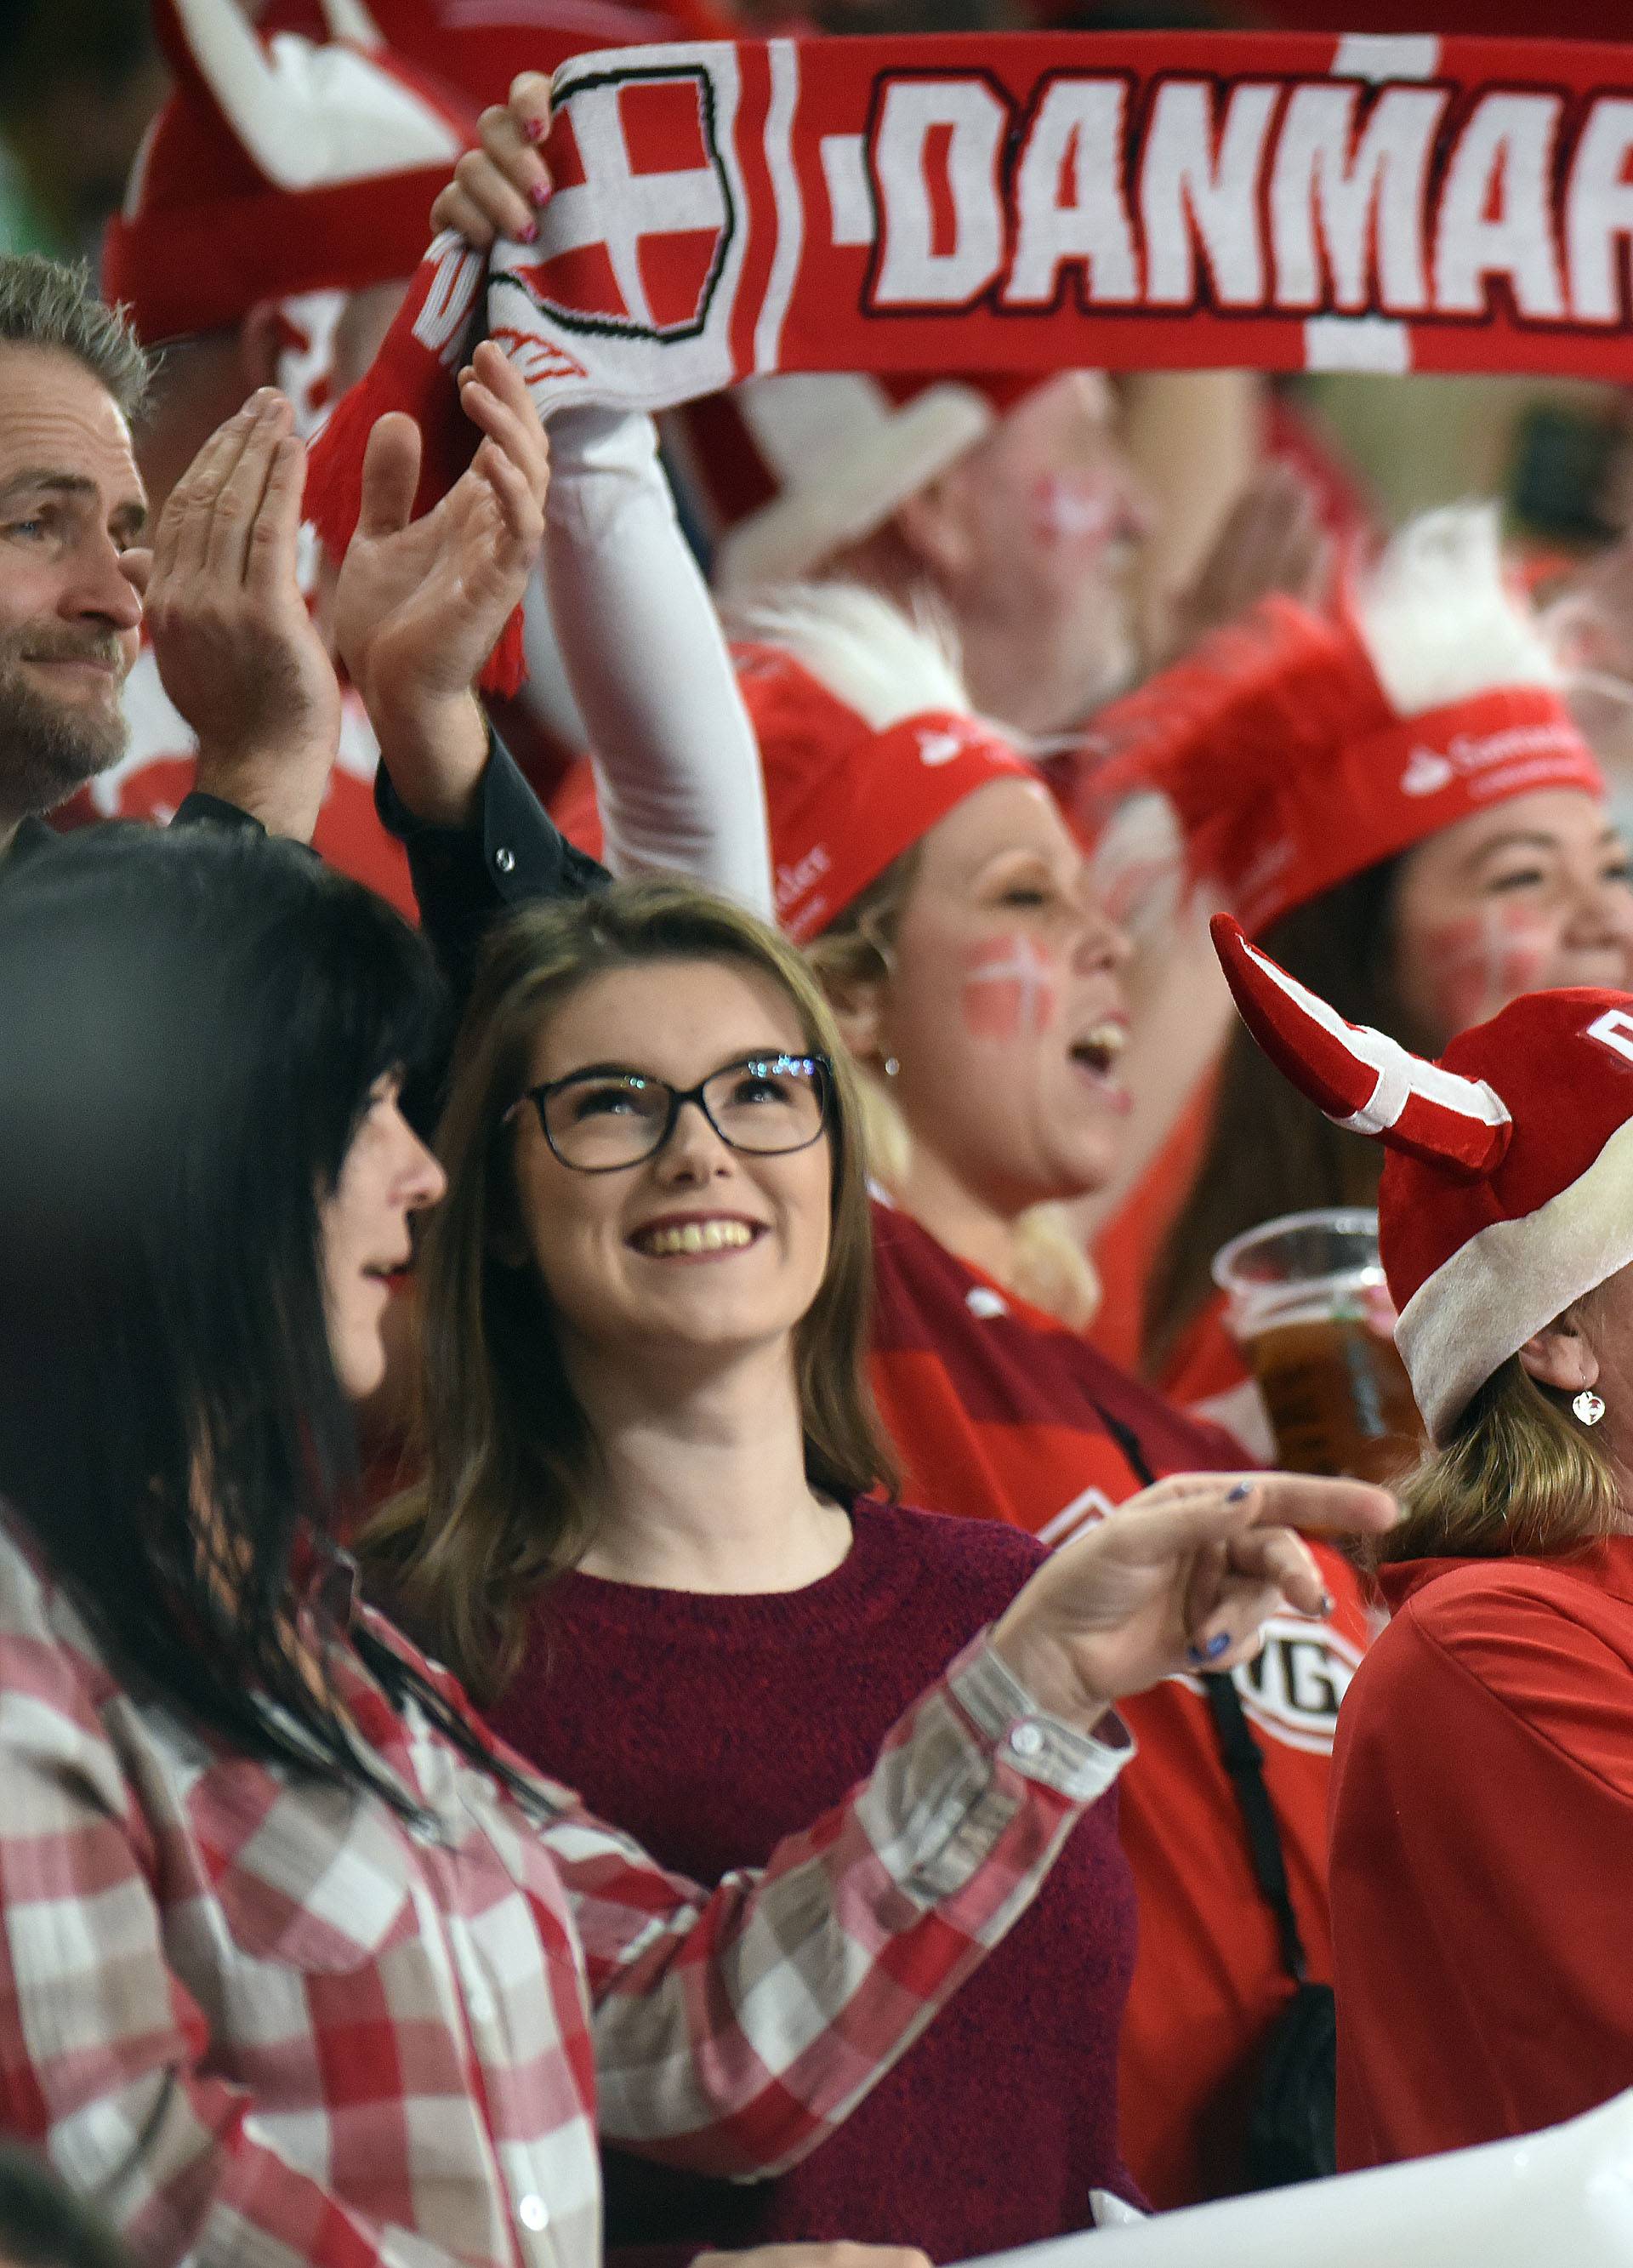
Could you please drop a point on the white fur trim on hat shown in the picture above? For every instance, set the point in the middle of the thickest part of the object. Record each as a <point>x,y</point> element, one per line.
<point>1440,619</point>
<point>884,663</point>
<point>845,456</point>
<point>1511,1280</point>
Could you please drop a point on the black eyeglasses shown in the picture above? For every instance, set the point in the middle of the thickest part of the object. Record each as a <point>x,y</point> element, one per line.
<point>602,1119</point>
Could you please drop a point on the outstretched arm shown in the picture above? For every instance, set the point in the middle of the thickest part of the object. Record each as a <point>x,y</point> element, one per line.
<point>677,768</point>
<point>733,2032</point>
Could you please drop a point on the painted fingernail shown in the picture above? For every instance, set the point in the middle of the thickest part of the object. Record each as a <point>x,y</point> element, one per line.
<point>1194,1653</point>
<point>535,128</point>
<point>1242,1490</point>
<point>528,235</point>
<point>1216,1645</point>
<point>541,193</point>
<point>1328,1603</point>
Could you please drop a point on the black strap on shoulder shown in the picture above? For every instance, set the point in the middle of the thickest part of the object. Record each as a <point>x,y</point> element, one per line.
<point>1243,1758</point>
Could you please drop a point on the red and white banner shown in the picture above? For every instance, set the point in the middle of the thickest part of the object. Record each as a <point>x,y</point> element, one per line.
<point>1291,202</point>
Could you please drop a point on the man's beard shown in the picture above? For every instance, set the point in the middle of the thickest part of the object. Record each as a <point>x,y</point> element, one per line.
<point>48,748</point>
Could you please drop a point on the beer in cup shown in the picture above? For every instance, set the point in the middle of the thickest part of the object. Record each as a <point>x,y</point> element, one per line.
<point>1307,1303</point>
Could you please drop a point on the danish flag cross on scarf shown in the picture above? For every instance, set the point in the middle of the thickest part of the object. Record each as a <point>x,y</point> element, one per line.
<point>634,246</point>
<point>640,225</point>
<point>642,215</point>
<point>1032,202</point>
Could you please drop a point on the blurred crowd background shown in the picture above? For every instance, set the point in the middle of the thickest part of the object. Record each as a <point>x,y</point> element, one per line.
<point>82,79</point>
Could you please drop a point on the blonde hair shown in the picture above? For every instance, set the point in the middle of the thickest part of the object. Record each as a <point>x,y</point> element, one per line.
<point>1517,1477</point>
<point>509,1462</point>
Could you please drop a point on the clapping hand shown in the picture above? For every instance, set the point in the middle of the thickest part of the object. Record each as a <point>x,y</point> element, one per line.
<point>420,603</point>
<point>236,649</point>
<point>1179,1578</point>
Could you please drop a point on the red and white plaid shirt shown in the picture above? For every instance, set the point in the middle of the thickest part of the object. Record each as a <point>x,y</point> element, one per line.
<point>270,2021</point>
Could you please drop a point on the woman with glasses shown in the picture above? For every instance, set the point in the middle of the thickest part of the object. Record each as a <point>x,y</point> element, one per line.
<point>296,1961</point>
<point>654,1535</point>
<point>977,980</point>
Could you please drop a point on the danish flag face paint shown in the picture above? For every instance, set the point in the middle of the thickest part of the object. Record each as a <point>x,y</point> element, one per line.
<point>1082,514</point>
<point>1478,963</point>
<point>1011,989</point>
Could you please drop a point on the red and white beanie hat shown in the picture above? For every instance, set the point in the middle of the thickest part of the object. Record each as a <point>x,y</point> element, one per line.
<point>783,471</point>
<point>280,165</point>
<point>1498,1207</point>
<point>866,739</point>
<point>1290,751</point>
<point>480,46</point>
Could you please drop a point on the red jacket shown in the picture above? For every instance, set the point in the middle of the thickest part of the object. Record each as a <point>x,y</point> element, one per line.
<point>1482,1854</point>
<point>1000,1411</point>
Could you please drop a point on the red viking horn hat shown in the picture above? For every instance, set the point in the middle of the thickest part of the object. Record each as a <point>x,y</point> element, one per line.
<point>1362,1079</point>
<point>1496,1211</point>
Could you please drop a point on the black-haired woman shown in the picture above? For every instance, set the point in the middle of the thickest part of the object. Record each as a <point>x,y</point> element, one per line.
<point>295,1961</point>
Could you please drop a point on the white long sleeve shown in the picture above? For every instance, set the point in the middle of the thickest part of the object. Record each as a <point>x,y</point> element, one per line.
<point>677,768</point>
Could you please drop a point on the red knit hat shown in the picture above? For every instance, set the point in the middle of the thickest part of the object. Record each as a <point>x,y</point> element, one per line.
<point>1287,766</point>
<point>843,799</point>
<point>278,165</point>
<point>858,768</point>
<point>1498,1207</point>
<point>785,471</point>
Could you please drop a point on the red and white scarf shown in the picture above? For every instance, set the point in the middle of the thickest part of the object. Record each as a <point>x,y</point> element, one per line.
<point>1038,201</point>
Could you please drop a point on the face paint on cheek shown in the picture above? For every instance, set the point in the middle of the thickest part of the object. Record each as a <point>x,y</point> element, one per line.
<point>1069,511</point>
<point>1478,963</point>
<point>1009,991</point>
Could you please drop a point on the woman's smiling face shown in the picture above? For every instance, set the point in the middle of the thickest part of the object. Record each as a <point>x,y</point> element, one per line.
<point>703,1249</point>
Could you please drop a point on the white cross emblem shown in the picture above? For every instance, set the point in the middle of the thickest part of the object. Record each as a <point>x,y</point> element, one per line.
<point>617,207</point>
<point>1027,967</point>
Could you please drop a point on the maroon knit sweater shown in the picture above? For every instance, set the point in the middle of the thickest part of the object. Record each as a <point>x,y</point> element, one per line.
<point>711,1728</point>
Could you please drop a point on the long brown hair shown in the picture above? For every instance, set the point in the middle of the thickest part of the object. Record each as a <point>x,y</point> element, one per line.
<point>510,1462</point>
<point>1268,1151</point>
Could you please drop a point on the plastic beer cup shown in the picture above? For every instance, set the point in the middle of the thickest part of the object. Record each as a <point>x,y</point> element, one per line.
<point>1306,1301</point>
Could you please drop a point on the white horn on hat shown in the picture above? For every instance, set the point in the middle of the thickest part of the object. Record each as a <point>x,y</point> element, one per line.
<point>309,117</point>
<point>1362,1079</point>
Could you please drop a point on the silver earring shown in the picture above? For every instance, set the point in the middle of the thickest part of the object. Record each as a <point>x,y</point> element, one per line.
<point>890,1066</point>
<point>1589,1406</point>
